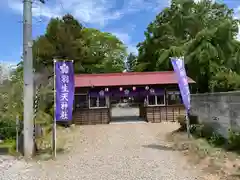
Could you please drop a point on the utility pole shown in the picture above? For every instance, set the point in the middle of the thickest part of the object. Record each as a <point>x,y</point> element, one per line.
<point>28,79</point>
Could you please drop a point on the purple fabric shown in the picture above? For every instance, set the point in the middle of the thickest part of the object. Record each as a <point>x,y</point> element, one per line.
<point>99,93</point>
<point>179,68</point>
<point>125,92</point>
<point>64,78</point>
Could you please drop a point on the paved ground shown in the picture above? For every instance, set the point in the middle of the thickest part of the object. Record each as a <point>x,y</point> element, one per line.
<point>123,115</point>
<point>111,152</point>
<point>120,112</point>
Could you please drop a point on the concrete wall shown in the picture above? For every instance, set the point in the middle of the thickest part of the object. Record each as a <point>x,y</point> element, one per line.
<point>222,110</point>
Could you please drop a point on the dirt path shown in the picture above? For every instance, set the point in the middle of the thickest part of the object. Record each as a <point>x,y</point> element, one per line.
<point>113,152</point>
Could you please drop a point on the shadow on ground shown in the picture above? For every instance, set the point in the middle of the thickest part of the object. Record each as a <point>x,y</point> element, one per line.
<point>159,147</point>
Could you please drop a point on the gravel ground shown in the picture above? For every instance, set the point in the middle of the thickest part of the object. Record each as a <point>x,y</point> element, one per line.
<point>134,151</point>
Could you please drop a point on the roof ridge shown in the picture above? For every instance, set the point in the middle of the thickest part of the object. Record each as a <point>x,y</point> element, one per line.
<point>128,78</point>
<point>125,73</point>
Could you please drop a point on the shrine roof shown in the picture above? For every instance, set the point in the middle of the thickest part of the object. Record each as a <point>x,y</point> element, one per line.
<point>126,79</point>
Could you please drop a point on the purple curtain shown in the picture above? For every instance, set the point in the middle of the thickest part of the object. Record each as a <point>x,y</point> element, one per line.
<point>126,92</point>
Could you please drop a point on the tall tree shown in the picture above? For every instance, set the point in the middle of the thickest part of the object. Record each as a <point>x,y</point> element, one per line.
<point>131,62</point>
<point>93,51</point>
<point>204,33</point>
<point>105,52</point>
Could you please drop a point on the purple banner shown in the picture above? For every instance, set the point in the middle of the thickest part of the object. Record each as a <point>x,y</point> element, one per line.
<point>179,68</point>
<point>64,89</point>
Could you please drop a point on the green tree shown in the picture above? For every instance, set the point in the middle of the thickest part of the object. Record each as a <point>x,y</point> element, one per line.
<point>105,52</point>
<point>131,62</point>
<point>204,33</point>
<point>93,51</point>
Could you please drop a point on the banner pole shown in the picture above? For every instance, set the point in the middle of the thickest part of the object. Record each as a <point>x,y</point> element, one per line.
<point>17,133</point>
<point>188,124</point>
<point>54,128</point>
<point>180,71</point>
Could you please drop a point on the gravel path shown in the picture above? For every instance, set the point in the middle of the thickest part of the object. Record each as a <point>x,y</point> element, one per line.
<point>111,152</point>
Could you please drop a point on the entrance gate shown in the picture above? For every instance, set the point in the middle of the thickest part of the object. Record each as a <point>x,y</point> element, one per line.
<point>126,107</point>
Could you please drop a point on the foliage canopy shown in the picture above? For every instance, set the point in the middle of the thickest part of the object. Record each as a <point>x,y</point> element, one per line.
<point>204,33</point>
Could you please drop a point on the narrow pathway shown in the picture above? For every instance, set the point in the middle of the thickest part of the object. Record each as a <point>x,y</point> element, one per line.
<point>114,152</point>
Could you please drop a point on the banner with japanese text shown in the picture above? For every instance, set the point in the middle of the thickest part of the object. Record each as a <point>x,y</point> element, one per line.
<point>179,69</point>
<point>64,89</point>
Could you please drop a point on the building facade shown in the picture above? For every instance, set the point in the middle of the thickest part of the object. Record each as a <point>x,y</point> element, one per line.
<point>156,94</point>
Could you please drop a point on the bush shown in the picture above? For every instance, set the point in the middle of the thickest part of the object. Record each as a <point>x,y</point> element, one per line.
<point>234,140</point>
<point>182,121</point>
<point>207,131</point>
<point>216,139</point>
<point>7,129</point>
<point>202,131</point>
<point>197,130</point>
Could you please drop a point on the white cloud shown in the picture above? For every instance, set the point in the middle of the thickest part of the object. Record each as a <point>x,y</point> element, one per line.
<point>132,49</point>
<point>218,1</point>
<point>126,39</point>
<point>237,16</point>
<point>38,9</point>
<point>97,12</point>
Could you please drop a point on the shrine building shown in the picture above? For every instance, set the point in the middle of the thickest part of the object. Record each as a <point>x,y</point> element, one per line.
<point>155,94</point>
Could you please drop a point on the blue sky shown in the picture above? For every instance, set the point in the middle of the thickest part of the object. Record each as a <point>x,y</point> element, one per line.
<point>127,19</point>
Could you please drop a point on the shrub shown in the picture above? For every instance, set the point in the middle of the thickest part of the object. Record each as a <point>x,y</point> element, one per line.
<point>197,130</point>
<point>202,131</point>
<point>182,121</point>
<point>234,140</point>
<point>7,129</point>
<point>207,131</point>
<point>216,139</point>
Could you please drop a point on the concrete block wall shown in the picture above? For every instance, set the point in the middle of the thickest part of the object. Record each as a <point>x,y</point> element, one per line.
<point>222,110</point>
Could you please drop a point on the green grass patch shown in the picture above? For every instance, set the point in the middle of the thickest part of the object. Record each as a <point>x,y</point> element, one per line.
<point>207,155</point>
<point>9,147</point>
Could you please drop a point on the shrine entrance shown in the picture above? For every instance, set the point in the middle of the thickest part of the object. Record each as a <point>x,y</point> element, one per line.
<point>125,106</point>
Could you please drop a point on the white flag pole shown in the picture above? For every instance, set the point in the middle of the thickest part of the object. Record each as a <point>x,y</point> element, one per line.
<point>54,128</point>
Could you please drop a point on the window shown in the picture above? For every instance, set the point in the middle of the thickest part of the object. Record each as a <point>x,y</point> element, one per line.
<point>174,98</point>
<point>156,100</point>
<point>97,102</point>
<point>152,100</point>
<point>81,101</point>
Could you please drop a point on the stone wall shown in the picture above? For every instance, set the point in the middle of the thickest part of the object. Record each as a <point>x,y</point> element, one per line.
<point>222,110</point>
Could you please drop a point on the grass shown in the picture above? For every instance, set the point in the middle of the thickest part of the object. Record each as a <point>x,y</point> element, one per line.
<point>8,147</point>
<point>7,144</point>
<point>45,143</point>
<point>208,158</point>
